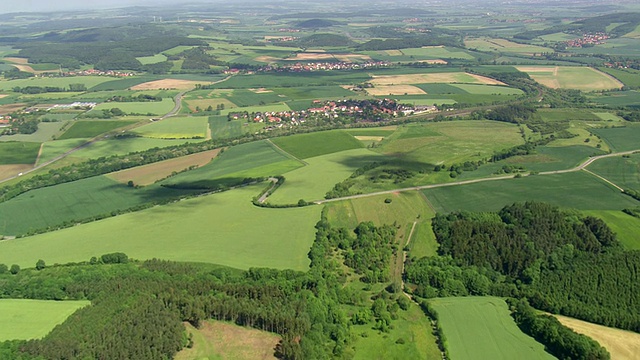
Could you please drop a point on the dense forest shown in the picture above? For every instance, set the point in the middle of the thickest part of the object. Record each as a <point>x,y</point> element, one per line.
<point>559,260</point>
<point>137,309</point>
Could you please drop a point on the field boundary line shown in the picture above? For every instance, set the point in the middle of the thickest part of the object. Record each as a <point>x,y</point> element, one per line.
<point>39,154</point>
<point>604,179</point>
<point>291,156</point>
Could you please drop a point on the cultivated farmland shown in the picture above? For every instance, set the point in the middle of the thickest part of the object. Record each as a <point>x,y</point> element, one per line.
<point>195,127</point>
<point>144,108</point>
<point>622,345</point>
<point>482,328</point>
<point>305,146</point>
<point>12,153</point>
<point>90,129</point>
<point>211,229</point>
<point>148,174</point>
<point>566,190</point>
<point>568,77</point>
<point>33,319</point>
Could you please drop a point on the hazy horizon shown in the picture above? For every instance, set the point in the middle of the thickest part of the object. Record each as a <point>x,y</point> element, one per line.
<point>48,5</point>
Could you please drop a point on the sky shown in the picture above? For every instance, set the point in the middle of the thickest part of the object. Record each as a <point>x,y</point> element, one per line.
<point>9,6</point>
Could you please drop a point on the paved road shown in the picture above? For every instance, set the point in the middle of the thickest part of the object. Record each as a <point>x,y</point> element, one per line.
<point>582,166</point>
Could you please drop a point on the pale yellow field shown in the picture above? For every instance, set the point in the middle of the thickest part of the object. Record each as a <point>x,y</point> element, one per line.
<point>572,77</point>
<point>454,77</point>
<point>621,344</point>
<point>383,90</point>
<point>369,138</point>
<point>148,174</point>
<point>17,60</point>
<point>168,84</point>
<point>351,57</point>
<point>25,68</point>
<point>9,108</point>
<point>219,340</point>
<point>3,96</point>
<point>434,61</point>
<point>393,52</point>
<point>261,91</point>
<point>7,171</point>
<point>312,56</point>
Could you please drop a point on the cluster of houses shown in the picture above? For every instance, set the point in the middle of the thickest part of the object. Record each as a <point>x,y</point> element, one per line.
<point>587,40</point>
<point>349,110</point>
<point>5,121</point>
<point>323,66</point>
<point>93,72</point>
<point>282,39</point>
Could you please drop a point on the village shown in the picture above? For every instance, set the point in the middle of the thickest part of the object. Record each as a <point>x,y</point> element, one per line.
<point>338,111</point>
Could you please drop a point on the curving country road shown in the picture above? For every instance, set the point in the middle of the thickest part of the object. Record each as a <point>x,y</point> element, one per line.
<point>580,167</point>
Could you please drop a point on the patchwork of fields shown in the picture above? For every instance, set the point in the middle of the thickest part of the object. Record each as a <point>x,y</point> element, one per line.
<point>566,77</point>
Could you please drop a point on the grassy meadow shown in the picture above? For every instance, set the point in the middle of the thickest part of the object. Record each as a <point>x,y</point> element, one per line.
<point>304,146</point>
<point>210,229</point>
<point>404,209</point>
<point>482,328</point>
<point>74,201</point>
<point>320,174</point>
<point>255,159</point>
<point>194,127</point>
<point>12,153</point>
<point>89,129</point>
<point>33,319</point>
<point>144,108</point>
<point>620,138</point>
<point>578,190</point>
<point>412,326</point>
<point>222,340</point>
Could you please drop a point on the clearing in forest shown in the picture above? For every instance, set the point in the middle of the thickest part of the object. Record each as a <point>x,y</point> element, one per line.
<point>216,339</point>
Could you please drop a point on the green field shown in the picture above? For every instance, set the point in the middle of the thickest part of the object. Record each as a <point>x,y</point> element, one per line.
<point>63,82</point>
<point>417,54</point>
<point>625,226</point>
<point>258,108</point>
<point>578,190</point>
<point>629,77</point>
<point>53,149</point>
<point>224,229</point>
<point>46,131</point>
<point>33,319</point>
<point>122,84</point>
<point>412,326</point>
<point>305,146</point>
<point>620,138</point>
<point>567,114</point>
<point>619,98</point>
<point>488,89</point>
<point>320,174</point>
<point>176,128</point>
<point>18,153</point>
<point>143,108</point>
<point>482,328</point>
<point>504,46</point>
<point>254,159</point>
<point>314,92</point>
<point>146,60</point>
<point>92,128</point>
<point>293,80</point>
<point>76,200</point>
<point>404,209</point>
<point>545,158</point>
<point>450,142</point>
<point>114,146</point>
<point>622,171</point>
